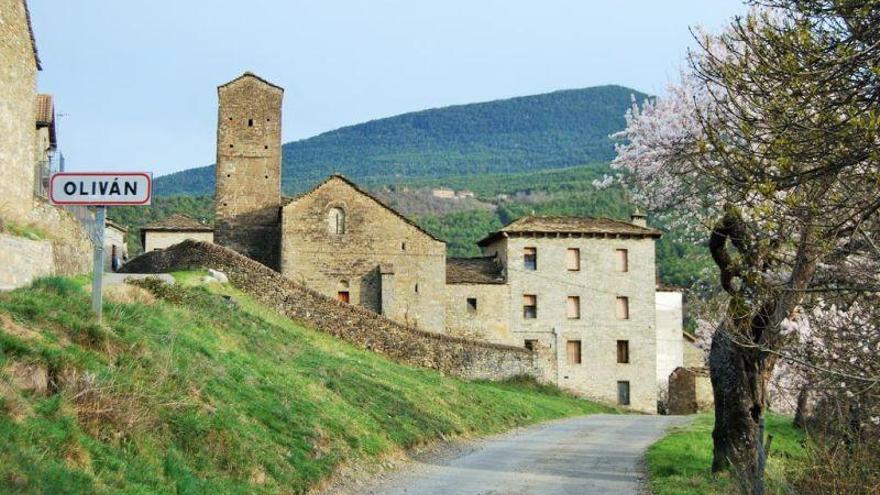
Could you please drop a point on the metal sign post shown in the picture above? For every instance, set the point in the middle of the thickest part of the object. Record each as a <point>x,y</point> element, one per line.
<point>100,190</point>
<point>98,270</point>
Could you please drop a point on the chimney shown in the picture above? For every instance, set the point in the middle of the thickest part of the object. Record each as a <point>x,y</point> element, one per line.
<point>639,218</point>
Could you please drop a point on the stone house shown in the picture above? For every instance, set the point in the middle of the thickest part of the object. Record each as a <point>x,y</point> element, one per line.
<point>581,290</point>
<point>585,288</point>
<point>173,229</point>
<point>27,143</point>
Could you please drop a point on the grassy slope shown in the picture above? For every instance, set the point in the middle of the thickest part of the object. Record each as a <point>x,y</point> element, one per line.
<point>192,394</point>
<point>679,463</point>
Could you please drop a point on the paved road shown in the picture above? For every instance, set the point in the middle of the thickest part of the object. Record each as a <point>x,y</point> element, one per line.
<point>598,454</point>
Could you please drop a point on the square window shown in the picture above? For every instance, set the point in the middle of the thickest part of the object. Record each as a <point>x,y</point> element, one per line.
<point>343,296</point>
<point>530,306</point>
<point>623,393</point>
<point>622,260</point>
<point>623,351</point>
<point>530,344</point>
<point>530,258</point>
<point>622,307</point>
<point>472,305</point>
<point>573,351</point>
<point>573,309</point>
<point>573,259</point>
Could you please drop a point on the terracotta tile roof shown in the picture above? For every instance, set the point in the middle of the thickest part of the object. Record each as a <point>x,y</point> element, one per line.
<point>581,226</point>
<point>365,193</point>
<point>473,271</point>
<point>45,110</point>
<point>177,222</point>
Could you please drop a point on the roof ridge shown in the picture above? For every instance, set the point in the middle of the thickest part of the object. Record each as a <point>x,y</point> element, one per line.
<point>353,185</point>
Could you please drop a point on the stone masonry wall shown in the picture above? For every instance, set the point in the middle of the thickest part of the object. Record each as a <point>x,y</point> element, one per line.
<point>71,247</point>
<point>413,288</point>
<point>18,89</point>
<point>460,357</point>
<point>248,171</point>
<point>22,260</point>
<point>490,321</point>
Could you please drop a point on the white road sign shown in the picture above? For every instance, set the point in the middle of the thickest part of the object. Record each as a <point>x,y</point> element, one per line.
<point>101,188</point>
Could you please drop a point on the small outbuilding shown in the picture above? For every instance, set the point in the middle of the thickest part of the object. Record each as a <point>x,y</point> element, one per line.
<point>172,230</point>
<point>690,391</point>
<point>114,242</point>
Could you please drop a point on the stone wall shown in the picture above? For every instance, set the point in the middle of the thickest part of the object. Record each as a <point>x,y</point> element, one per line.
<point>490,321</point>
<point>597,283</point>
<point>161,240</point>
<point>385,263</point>
<point>18,89</point>
<point>71,246</point>
<point>248,171</point>
<point>22,260</point>
<point>460,357</point>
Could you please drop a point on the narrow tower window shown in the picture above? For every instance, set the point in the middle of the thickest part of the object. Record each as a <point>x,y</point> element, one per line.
<point>250,122</point>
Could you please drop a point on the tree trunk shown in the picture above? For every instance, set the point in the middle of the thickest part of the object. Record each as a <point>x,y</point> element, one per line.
<point>738,389</point>
<point>804,408</point>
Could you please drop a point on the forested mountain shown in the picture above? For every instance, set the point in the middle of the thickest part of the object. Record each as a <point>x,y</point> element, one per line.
<point>552,130</point>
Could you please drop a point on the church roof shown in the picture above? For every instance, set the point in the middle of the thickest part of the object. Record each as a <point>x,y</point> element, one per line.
<point>368,195</point>
<point>482,270</point>
<point>575,226</point>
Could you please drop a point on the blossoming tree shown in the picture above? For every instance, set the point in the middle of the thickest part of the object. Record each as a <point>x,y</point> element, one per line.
<point>770,147</point>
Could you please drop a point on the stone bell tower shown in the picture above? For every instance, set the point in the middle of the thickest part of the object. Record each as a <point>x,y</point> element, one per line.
<point>247,198</point>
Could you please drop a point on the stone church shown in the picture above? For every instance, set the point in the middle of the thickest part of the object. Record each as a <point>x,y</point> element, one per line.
<point>583,287</point>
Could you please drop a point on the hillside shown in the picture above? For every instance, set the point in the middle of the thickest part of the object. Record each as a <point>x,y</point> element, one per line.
<point>182,390</point>
<point>545,131</point>
<point>500,199</point>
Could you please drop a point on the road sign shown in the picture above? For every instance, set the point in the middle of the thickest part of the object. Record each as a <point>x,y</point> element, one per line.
<point>101,188</point>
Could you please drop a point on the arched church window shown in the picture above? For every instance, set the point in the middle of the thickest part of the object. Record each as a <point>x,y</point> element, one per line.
<point>336,221</point>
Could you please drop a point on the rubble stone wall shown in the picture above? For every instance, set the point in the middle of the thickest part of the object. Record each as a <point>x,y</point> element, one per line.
<point>455,356</point>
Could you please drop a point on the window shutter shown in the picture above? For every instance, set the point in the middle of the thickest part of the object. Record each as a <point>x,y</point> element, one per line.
<point>574,307</point>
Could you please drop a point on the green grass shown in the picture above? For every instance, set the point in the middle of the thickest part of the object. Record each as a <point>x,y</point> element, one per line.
<point>195,394</point>
<point>679,464</point>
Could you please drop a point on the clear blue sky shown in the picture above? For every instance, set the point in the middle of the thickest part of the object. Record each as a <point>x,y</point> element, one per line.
<point>137,79</point>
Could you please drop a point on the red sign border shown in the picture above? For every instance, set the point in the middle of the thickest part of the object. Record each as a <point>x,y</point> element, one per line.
<point>148,176</point>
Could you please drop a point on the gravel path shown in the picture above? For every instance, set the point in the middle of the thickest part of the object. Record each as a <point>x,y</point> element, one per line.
<point>599,454</point>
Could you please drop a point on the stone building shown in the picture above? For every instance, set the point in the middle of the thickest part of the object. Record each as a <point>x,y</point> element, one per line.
<point>248,171</point>
<point>46,142</point>
<point>27,141</point>
<point>172,230</point>
<point>580,290</point>
<point>18,94</point>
